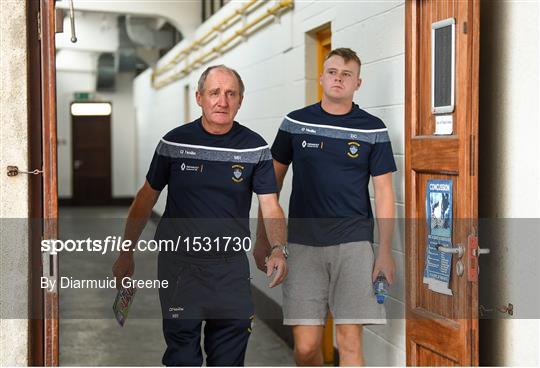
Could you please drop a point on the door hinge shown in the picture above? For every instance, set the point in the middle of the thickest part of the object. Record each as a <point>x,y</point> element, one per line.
<point>39,25</point>
<point>472,160</point>
<point>464,27</point>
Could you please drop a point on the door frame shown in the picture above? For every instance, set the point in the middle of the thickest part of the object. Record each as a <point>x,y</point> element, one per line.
<point>109,198</point>
<point>50,177</point>
<point>35,225</point>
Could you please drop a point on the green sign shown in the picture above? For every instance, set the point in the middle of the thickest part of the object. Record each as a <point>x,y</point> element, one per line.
<point>82,96</point>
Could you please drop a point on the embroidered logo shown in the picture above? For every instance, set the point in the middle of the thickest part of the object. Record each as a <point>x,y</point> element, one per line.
<point>238,171</point>
<point>353,149</point>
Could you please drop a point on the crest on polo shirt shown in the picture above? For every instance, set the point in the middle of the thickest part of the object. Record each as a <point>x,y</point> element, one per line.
<point>238,171</point>
<point>353,149</point>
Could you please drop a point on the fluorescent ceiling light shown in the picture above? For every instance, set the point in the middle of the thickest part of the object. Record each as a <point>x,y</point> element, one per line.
<point>91,109</point>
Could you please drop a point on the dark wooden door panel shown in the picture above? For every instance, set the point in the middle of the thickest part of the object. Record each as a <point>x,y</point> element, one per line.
<point>91,160</point>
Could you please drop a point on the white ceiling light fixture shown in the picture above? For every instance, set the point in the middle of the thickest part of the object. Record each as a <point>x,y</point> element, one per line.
<point>91,109</point>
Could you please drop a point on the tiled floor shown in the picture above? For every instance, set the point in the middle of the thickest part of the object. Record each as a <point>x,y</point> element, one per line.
<point>88,333</point>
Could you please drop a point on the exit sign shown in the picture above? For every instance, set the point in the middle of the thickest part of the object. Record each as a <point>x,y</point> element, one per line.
<point>82,96</point>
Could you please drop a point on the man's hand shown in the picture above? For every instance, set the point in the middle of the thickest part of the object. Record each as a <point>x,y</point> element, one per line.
<point>260,253</point>
<point>123,267</point>
<point>276,262</point>
<point>385,264</point>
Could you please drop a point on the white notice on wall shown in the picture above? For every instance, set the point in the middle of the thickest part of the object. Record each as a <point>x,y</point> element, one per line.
<point>444,124</point>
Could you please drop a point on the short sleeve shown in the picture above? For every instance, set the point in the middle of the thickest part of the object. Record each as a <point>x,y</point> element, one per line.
<point>282,149</point>
<point>264,178</point>
<point>158,173</point>
<point>381,158</point>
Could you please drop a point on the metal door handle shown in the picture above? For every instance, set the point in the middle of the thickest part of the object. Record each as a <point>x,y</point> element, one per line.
<point>478,251</point>
<point>459,250</point>
<point>77,164</point>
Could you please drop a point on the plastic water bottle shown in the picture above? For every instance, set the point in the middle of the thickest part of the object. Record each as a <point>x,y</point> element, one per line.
<point>380,288</point>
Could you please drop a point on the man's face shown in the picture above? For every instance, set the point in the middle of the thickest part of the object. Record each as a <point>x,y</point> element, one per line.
<point>340,79</point>
<point>220,98</point>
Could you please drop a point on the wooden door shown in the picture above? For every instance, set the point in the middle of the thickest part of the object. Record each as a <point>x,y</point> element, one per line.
<point>441,329</point>
<point>91,160</point>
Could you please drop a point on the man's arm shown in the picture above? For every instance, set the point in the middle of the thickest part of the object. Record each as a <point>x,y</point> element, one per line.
<point>276,233</point>
<point>262,245</point>
<point>138,215</point>
<point>384,204</point>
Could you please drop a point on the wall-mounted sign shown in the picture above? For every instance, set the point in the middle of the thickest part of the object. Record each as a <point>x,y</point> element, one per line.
<point>443,36</point>
<point>438,265</point>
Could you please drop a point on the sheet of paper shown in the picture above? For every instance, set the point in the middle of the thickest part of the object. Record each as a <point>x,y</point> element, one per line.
<point>444,124</point>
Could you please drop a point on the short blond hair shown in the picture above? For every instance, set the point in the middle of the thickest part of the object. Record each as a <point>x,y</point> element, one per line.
<point>347,54</point>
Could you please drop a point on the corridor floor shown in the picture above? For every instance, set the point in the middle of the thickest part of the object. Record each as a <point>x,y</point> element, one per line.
<point>89,335</point>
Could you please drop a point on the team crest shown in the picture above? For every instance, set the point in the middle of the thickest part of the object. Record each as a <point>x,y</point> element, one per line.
<point>238,171</point>
<point>353,149</point>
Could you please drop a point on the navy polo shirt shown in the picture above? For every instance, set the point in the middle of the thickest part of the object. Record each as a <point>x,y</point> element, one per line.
<point>210,180</point>
<point>333,158</point>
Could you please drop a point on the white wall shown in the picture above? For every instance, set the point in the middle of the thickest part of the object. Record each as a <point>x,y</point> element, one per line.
<point>14,191</point>
<point>272,64</point>
<point>123,135</point>
<point>509,186</point>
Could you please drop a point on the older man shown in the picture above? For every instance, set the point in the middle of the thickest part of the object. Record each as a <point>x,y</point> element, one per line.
<point>211,167</point>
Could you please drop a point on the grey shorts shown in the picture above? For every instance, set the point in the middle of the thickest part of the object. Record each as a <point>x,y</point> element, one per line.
<point>335,278</point>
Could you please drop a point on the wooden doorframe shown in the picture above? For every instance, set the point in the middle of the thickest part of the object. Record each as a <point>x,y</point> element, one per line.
<point>35,297</point>
<point>50,176</point>
<point>465,140</point>
<point>324,46</point>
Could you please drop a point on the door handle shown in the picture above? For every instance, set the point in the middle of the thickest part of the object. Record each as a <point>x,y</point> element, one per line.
<point>77,164</point>
<point>459,250</point>
<point>478,251</point>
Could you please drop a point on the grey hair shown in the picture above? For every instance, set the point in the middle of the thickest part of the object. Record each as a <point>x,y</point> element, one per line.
<point>204,75</point>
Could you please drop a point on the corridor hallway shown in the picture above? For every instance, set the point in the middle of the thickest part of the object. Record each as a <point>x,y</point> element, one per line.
<point>89,335</point>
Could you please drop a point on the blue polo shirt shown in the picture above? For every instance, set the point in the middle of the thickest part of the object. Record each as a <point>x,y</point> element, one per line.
<point>333,158</point>
<point>210,180</point>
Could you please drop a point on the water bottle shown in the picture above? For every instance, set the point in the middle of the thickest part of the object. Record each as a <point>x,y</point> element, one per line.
<point>380,288</point>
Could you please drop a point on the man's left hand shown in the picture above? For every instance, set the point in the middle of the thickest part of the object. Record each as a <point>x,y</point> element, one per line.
<point>385,264</point>
<point>260,253</point>
<point>276,262</point>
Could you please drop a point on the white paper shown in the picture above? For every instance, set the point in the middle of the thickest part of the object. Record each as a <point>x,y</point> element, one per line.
<point>444,124</point>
